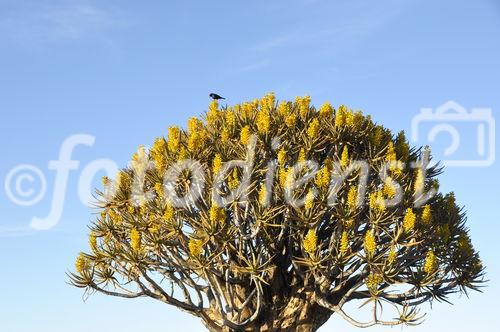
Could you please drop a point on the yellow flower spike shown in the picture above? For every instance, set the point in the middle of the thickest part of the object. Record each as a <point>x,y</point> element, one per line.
<point>391,152</point>
<point>389,188</point>
<point>419,183</point>
<point>328,164</point>
<point>263,195</point>
<point>310,242</point>
<point>245,135</point>
<point>309,200</point>
<point>194,124</point>
<point>284,109</point>
<point>392,255</point>
<point>352,199</point>
<point>234,181</point>
<point>326,111</point>
<point>444,233</point>
<point>159,189</point>
<point>93,242</point>
<point>302,155</point>
<point>344,159</point>
<point>313,129</point>
<point>230,118</point>
<point>116,218</point>
<point>281,156</point>
<point>340,116</point>
<point>174,138</point>
<point>431,263</point>
<point>268,101</point>
<point>169,212</point>
<point>225,135</point>
<point>344,243</point>
<point>402,147</point>
<point>81,263</point>
<point>377,203</point>
<point>217,214</point>
<point>322,178</point>
<point>409,220</point>
<point>370,243</point>
<point>213,113</point>
<point>216,164</point>
<point>157,152</point>
<point>135,239</point>
<point>195,247</point>
<point>195,140</point>
<point>303,104</point>
<point>427,214</point>
<point>263,121</point>
<point>291,120</point>
<point>373,281</point>
<point>283,177</point>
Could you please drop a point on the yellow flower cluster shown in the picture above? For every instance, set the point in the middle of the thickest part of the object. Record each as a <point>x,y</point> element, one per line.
<point>427,214</point>
<point>291,120</point>
<point>310,242</point>
<point>263,195</point>
<point>389,188</point>
<point>418,186</point>
<point>344,243</point>
<point>430,264</point>
<point>159,189</point>
<point>322,178</point>
<point>464,245</point>
<point>373,281</point>
<point>392,255</point>
<point>326,111</point>
<point>225,135</point>
<point>313,129</point>
<point>135,239</point>
<point>263,121</point>
<point>370,243</point>
<point>352,199</point>
<point>402,148</point>
<point>81,263</point>
<point>309,200</point>
<point>174,138</point>
<point>284,109</point>
<point>303,104</point>
<point>217,215</point>
<point>233,181</point>
<point>169,212</point>
<point>267,102</point>
<point>245,135</point>
<point>195,247</point>
<point>281,156</point>
<point>213,113</point>
<point>157,152</point>
<point>377,202</point>
<point>302,155</point>
<point>344,159</point>
<point>230,118</point>
<point>409,220</point>
<point>93,242</point>
<point>216,164</point>
<point>115,217</point>
<point>340,117</point>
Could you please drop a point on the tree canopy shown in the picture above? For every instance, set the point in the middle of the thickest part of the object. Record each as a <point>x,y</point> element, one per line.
<point>274,216</point>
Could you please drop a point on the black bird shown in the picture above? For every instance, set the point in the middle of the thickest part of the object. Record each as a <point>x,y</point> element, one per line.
<point>215,96</point>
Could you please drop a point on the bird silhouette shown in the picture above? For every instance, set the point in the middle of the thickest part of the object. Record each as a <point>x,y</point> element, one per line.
<point>215,96</point>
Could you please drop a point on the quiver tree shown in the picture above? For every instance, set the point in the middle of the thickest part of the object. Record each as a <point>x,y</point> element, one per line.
<point>271,216</point>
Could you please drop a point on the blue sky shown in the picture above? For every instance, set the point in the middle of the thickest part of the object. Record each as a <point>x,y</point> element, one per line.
<point>123,71</point>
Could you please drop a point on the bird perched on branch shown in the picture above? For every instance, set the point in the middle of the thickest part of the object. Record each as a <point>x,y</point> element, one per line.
<point>215,96</point>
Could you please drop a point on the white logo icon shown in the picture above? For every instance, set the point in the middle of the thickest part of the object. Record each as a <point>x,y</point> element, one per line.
<point>445,119</point>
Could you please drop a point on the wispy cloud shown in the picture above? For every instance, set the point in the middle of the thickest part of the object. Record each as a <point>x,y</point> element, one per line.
<point>37,24</point>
